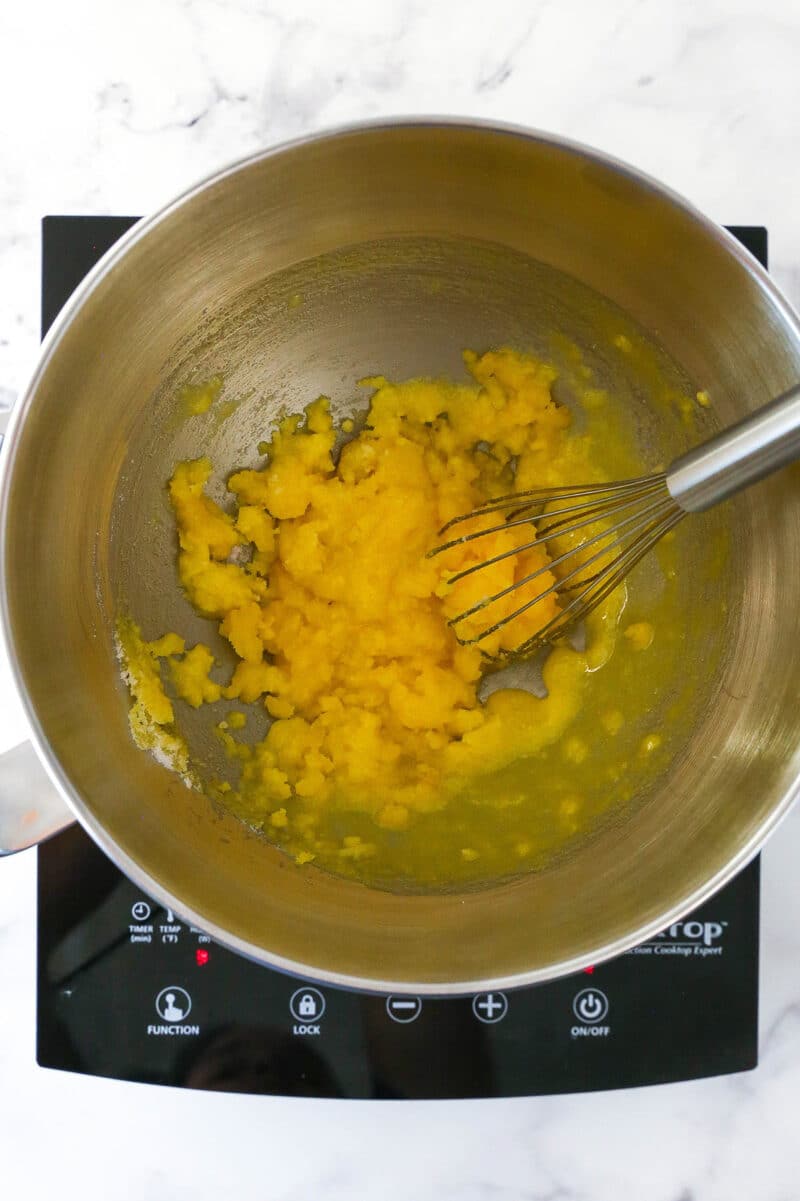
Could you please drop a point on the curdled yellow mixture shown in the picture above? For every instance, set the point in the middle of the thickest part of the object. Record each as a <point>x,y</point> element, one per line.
<point>379,758</point>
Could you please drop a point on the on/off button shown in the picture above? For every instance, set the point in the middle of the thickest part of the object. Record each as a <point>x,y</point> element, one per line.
<point>590,1005</point>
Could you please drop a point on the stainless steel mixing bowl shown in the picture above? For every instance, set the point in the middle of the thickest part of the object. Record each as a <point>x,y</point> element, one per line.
<point>391,248</point>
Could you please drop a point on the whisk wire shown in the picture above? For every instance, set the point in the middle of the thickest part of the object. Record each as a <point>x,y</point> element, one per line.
<point>581,606</point>
<point>642,511</point>
<point>620,529</point>
<point>597,508</point>
<point>540,496</point>
<point>612,493</point>
<point>596,514</point>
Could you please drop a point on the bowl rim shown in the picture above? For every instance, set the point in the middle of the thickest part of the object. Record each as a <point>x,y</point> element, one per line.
<point>48,348</point>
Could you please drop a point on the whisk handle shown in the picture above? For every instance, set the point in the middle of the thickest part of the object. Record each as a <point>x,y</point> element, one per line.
<point>746,452</point>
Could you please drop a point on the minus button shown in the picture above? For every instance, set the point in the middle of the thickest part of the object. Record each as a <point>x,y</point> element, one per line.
<point>403,1009</point>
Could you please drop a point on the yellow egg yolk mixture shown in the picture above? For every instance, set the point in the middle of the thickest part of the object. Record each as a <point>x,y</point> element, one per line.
<point>319,578</point>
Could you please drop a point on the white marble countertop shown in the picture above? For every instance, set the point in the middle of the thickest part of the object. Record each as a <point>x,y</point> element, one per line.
<point>113,108</point>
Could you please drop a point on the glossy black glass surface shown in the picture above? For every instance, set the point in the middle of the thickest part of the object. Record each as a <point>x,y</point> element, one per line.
<point>127,990</point>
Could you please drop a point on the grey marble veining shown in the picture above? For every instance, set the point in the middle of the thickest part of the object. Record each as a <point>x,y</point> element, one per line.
<point>114,108</point>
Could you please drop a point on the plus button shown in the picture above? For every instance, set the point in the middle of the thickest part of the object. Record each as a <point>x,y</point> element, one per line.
<point>490,1007</point>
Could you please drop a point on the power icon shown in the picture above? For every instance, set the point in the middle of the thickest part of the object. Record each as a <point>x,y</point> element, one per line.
<point>590,1005</point>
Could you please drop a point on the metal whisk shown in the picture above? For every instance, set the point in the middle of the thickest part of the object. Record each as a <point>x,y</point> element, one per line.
<point>611,527</point>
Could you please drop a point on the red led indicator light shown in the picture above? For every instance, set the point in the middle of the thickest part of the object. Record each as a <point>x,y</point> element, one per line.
<point>588,970</point>
<point>201,956</point>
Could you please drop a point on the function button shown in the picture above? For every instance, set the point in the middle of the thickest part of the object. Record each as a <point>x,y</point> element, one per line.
<point>173,1004</point>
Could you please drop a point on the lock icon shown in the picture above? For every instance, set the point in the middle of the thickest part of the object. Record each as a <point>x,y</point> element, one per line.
<point>307,1005</point>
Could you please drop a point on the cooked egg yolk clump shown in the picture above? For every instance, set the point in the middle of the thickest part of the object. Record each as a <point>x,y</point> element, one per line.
<point>319,578</point>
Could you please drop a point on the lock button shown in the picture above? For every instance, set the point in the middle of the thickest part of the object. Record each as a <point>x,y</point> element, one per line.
<point>307,1005</point>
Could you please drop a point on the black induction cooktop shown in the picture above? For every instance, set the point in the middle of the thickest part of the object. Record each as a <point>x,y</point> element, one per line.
<point>126,989</point>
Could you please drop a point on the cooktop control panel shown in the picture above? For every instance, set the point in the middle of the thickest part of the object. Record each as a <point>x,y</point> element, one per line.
<point>127,989</point>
